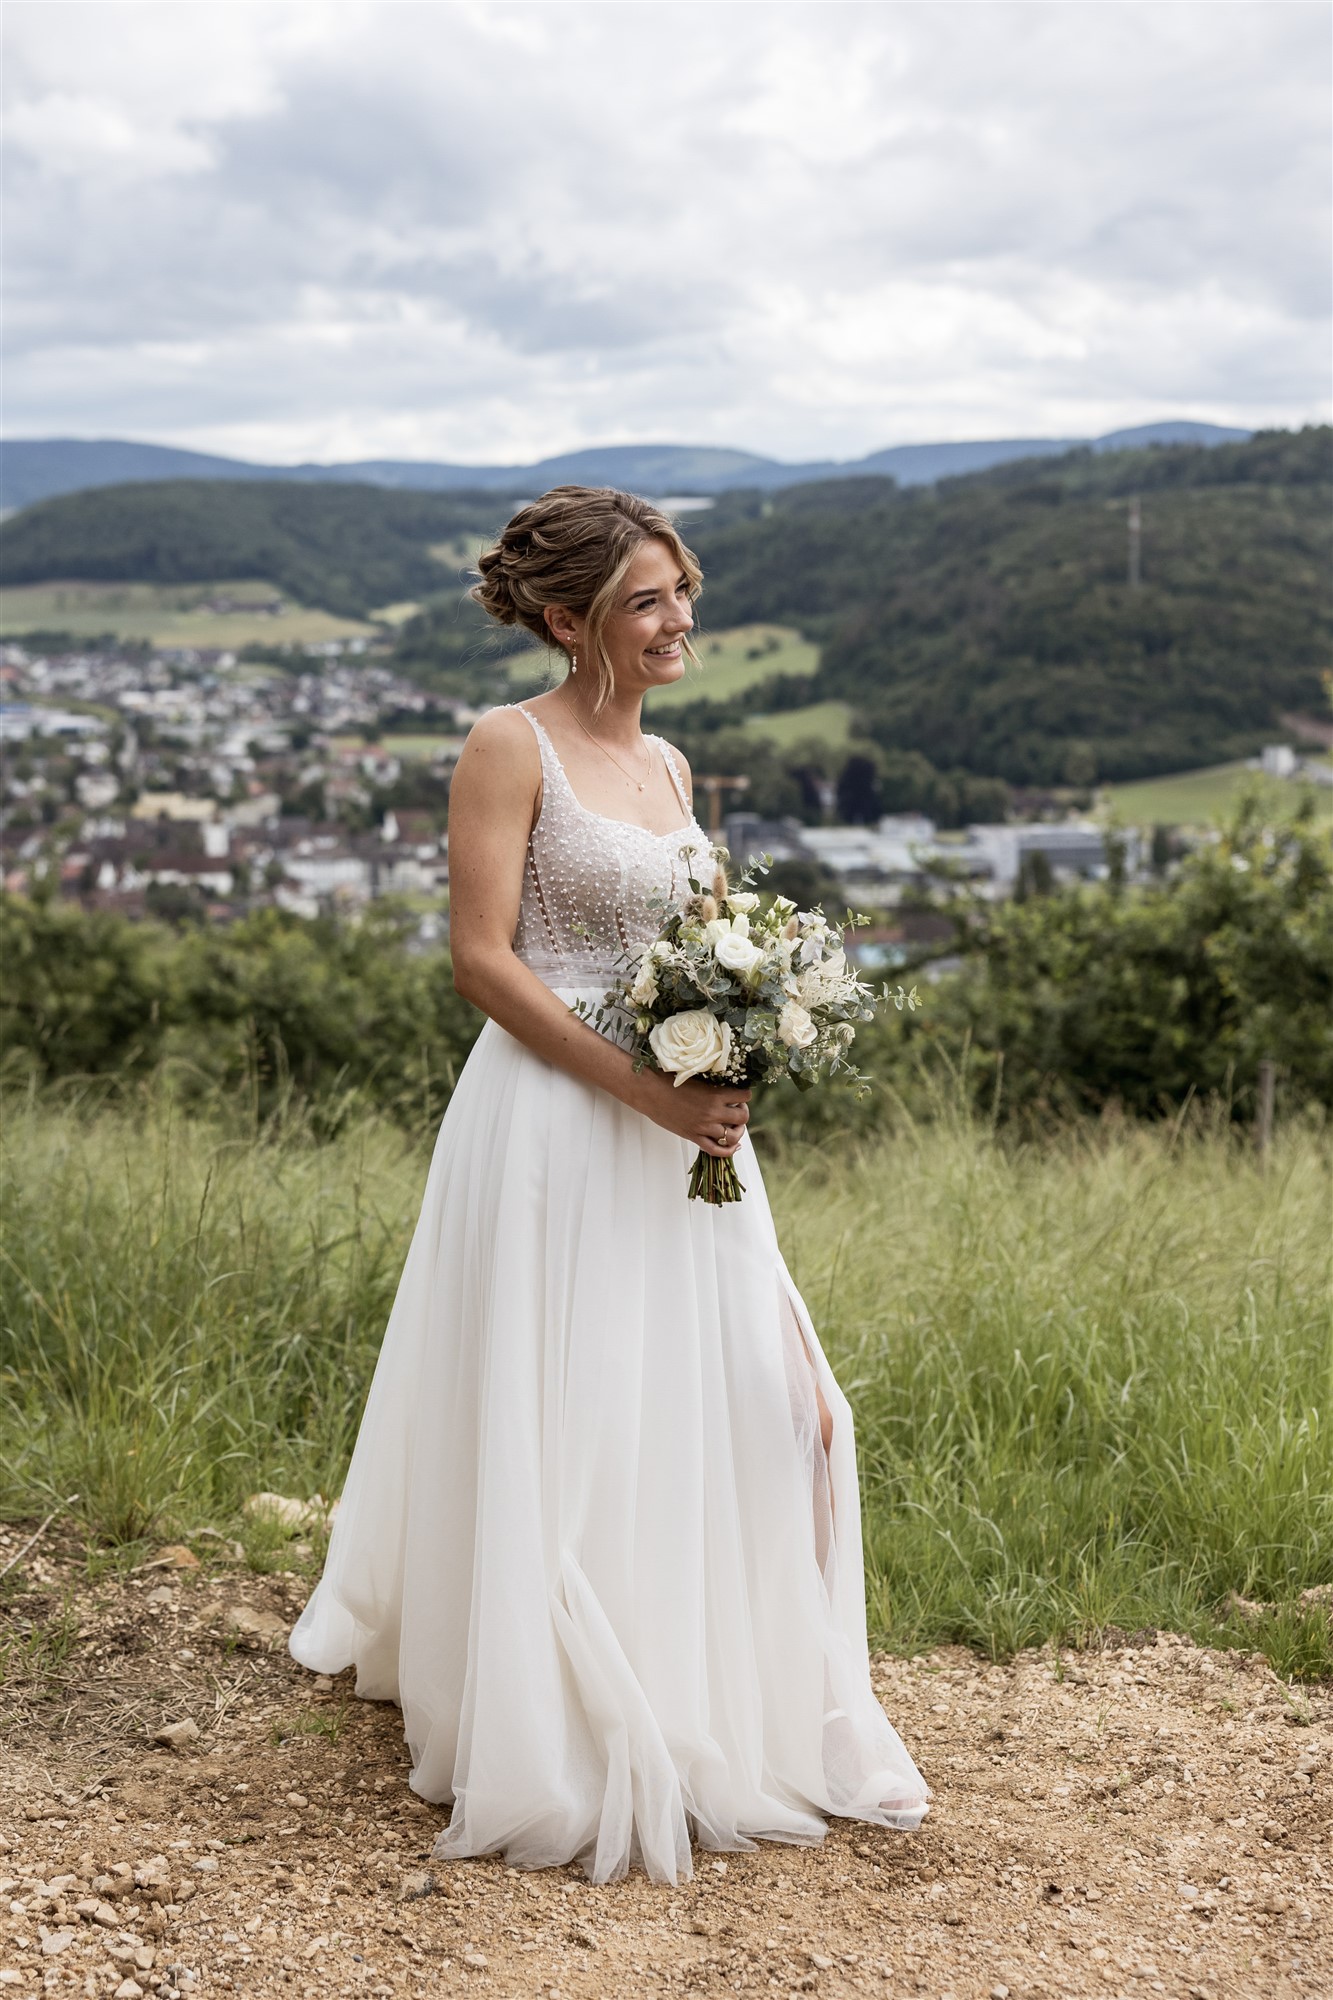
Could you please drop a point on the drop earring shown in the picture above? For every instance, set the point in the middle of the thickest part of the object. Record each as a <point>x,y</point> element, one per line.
<point>573,661</point>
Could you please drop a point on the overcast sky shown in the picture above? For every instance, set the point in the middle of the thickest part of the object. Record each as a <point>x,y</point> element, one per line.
<point>490,232</point>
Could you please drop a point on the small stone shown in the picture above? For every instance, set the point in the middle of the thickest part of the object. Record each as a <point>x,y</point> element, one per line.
<point>163,1595</point>
<point>129,1989</point>
<point>297,1799</point>
<point>54,1941</point>
<point>818,1960</point>
<point>207,1864</point>
<point>11,1978</point>
<point>283,1512</point>
<point>175,1735</point>
<point>581,1935</point>
<point>416,1885</point>
<point>323,1684</point>
<point>476,1959</point>
<point>248,1618</point>
<point>106,1916</point>
<point>999,1992</point>
<point>175,1556</point>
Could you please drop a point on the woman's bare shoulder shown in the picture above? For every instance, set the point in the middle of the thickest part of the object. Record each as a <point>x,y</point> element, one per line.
<point>501,748</point>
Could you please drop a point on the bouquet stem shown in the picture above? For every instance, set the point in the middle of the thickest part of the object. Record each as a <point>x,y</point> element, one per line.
<point>714,1180</point>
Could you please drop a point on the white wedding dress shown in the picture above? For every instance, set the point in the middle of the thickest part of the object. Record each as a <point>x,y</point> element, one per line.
<point>589,1539</point>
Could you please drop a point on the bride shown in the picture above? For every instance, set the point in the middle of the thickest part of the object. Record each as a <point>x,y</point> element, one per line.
<point>600,1537</point>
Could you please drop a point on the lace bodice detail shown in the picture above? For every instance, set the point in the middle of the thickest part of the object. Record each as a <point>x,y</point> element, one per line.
<point>595,889</point>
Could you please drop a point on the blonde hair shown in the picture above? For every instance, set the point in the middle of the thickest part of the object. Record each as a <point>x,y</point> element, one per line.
<point>573,547</point>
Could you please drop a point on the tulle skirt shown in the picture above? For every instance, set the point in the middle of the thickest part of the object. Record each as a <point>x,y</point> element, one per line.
<point>590,1540</point>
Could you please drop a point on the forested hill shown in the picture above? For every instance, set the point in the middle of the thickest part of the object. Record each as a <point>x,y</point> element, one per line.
<point>989,622</point>
<point>347,548</point>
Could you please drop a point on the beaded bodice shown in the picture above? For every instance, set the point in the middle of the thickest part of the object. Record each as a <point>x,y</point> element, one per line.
<point>595,889</point>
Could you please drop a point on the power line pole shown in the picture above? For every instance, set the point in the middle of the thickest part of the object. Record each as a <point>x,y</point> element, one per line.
<point>1135,542</point>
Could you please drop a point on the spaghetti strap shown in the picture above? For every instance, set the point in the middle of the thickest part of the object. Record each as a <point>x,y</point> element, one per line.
<point>673,771</point>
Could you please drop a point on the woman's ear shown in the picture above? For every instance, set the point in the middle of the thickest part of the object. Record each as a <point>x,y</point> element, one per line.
<point>560,624</point>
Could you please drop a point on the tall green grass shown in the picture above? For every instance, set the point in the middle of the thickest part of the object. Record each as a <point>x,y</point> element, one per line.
<point>1092,1378</point>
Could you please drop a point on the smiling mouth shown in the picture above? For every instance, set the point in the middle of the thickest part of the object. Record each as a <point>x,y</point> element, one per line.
<point>664,652</point>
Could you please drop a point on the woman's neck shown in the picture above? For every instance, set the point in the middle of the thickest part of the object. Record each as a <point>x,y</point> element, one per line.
<point>620,718</point>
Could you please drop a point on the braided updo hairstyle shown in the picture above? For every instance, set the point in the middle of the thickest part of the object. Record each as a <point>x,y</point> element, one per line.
<point>573,547</point>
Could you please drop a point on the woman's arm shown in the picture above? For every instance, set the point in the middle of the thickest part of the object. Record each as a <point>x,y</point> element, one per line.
<point>493,806</point>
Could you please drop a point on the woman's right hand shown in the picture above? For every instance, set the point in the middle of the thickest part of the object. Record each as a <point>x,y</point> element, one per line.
<point>711,1116</point>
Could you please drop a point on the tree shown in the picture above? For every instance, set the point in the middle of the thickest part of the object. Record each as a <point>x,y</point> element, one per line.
<point>860,800</point>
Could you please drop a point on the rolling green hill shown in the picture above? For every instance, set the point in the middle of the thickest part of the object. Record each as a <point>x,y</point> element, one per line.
<point>346,549</point>
<point>985,623</point>
<point>988,622</point>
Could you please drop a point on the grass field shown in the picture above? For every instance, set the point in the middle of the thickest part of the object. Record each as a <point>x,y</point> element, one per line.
<point>732,661</point>
<point>1197,798</point>
<point>729,663</point>
<point>1091,1379</point>
<point>829,721</point>
<point>170,614</point>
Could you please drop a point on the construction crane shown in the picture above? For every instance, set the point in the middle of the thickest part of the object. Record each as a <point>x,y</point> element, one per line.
<point>715,785</point>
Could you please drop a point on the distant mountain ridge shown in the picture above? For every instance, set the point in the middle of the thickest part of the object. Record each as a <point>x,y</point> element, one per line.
<point>34,469</point>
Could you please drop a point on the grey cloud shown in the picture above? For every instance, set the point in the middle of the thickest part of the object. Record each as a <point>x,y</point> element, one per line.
<point>570,223</point>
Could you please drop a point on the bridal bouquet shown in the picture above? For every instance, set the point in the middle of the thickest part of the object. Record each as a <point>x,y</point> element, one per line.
<point>737,994</point>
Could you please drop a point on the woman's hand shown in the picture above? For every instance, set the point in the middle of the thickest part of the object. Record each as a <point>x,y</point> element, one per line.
<point>711,1116</point>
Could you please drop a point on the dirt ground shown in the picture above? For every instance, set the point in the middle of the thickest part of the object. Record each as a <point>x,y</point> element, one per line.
<point>1149,1818</point>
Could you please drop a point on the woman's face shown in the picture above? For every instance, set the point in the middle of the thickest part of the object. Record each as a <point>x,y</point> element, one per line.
<point>652,615</point>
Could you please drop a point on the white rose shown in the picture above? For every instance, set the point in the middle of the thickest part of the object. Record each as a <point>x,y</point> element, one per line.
<point>691,1043</point>
<point>744,903</point>
<point>795,1027</point>
<point>716,930</point>
<point>737,954</point>
<point>644,990</point>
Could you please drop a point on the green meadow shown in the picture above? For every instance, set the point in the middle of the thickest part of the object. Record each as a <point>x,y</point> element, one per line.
<point>1091,1377</point>
<point>826,721</point>
<point>1199,798</point>
<point>181,614</point>
<point>729,663</point>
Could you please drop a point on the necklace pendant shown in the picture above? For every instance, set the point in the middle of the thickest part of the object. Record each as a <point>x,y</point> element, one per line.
<point>640,787</point>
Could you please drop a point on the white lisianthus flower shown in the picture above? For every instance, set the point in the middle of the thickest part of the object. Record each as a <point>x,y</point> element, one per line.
<point>720,927</point>
<point>691,1043</point>
<point>795,1027</point>
<point>743,903</point>
<point>812,948</point>
<point>737,954</point>
<point>644,990</point>
<point>661,951</point>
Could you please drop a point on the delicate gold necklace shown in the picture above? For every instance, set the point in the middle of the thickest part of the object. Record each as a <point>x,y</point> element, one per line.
<point>611,754</point>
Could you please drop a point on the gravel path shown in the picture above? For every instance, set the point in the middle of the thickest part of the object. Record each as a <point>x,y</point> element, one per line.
<point>1150,1818</point>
